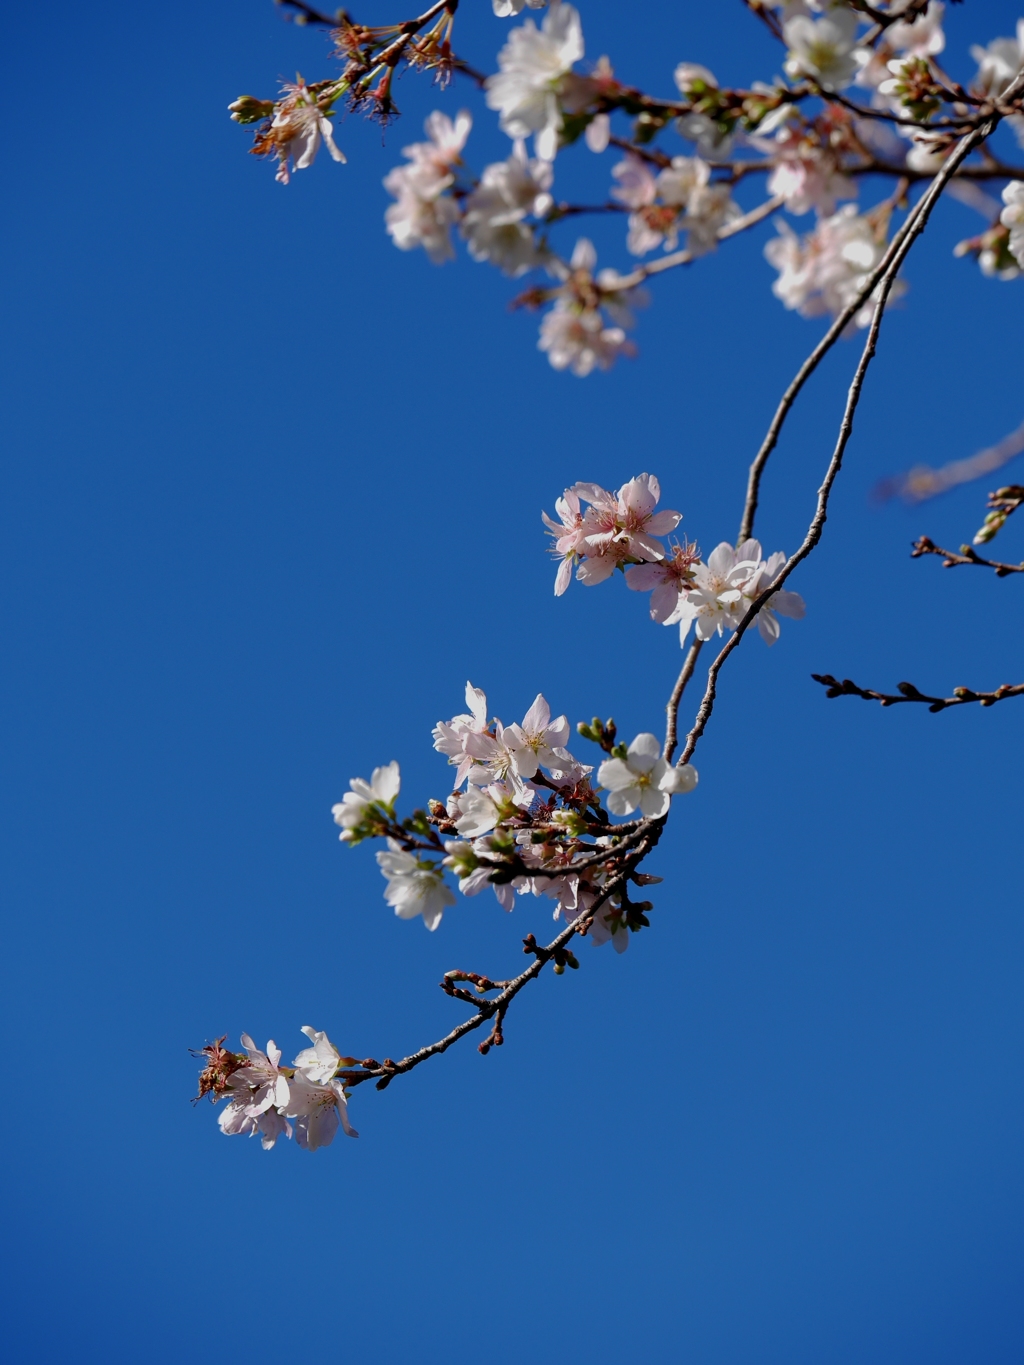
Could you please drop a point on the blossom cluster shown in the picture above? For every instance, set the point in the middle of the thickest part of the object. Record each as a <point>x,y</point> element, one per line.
<point>263,1097</point>
<point>621,531</point>
<point>805,128</point>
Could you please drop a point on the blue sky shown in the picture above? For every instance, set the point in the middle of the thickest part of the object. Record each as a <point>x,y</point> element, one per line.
<point>271,493</point>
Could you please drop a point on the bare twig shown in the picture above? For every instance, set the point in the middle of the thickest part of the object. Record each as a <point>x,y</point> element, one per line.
<point>950,559</point>
<point>686,673</point>
<point>907,692</point>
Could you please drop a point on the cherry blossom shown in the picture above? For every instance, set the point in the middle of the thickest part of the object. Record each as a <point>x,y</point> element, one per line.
<point>319,1111</point>
<point>414,887</point>
<point>450,736</point>
<point>715,601</point>
<point>493,222</point>
<point>999,62</point>
<point>477,810</point>
<point>1013,217</point>
<point>319,1062</point>
<point>464,860</point>
<point>642,778</point>
<point>296,131</point>
<point>532,63</point>
<point>579,340</point>
<point>260,1084</point>
<point>922,36</point>
<point>628,521</point>
<point>504,8</point>
<point>824,49</point>
<point>665,580</point>
<point>568,536</point>
<point>784,603</point>
<point>424,214</point>
<point>381,790</point>
<point>806,174</point>
<point>234,1120</point>
<point>677,199</point>
<point>825,270</point>
<point>533,743</point>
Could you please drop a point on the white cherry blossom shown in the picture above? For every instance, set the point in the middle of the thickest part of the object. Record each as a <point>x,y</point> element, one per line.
<point>424,214</point>
<point>824,49</point>
<point>414,888</point>
<point>999,63</point>
<point>493,215</point>
<point>644,779</point>
<point>319,1062</point>
<point>1012,217</point>
<point>504,8</point>
<point>532,63</point>
<point>381,790</point>
<point>784,603</point>
<point>715,601</point>
<point>922,36</point>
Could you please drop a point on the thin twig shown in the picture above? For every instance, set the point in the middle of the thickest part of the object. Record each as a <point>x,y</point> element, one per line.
<point>671,724</point>
<point>924,546</point>
<point>901,244</point>
<point>907,692</point>
<point>912,225</point>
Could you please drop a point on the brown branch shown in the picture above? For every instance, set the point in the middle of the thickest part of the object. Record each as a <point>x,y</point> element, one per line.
<point>671,724</point>
<point>967,555</point>
<point>907,692</point>
<point>556,952</point>
<point>912,226</point>
<point>915,224</point>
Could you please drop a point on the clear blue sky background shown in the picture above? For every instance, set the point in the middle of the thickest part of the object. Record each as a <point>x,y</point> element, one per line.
<point>271,493</point>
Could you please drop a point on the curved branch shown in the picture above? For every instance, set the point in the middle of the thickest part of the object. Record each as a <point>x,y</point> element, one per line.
<point>912,226</point>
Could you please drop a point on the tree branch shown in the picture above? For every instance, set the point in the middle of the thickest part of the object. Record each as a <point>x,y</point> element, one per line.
<point>951,559</point>
<point>907,692</point>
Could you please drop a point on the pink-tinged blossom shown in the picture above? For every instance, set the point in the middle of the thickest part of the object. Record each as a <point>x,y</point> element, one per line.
<point>644,779</point>
<point>724,588</point>
<point>319,1111</point>
<point>806,174</point>
<point>260,1085</point>
<point>296,131</point>
<point>665,580</point>
<point>532,744</point>
<point>922,36</point>
<point>630,523</point>
<point>450,737</point>
<point>824,271</point>
<point>464,860</point>
<point>580,341</point>
<point>381,790</point>
<point>525,92</point>
<point>567,534</point>
<point>414,887</point>
<point>598,133</point>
